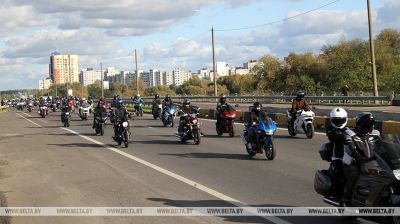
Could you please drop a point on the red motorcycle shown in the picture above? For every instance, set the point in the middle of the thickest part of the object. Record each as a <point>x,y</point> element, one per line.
<point>226,122</point>
<point>191,129</point>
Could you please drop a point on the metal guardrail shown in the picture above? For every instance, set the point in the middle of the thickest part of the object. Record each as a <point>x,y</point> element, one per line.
<point>384,100</point>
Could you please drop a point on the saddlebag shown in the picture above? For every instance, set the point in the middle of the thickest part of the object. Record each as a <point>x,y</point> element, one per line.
<point>323,183</point>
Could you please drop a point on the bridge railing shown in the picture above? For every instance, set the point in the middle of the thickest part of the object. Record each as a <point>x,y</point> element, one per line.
<point>372,100</point>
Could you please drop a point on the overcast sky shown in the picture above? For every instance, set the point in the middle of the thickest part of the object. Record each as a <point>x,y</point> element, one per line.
<point>172,33</point>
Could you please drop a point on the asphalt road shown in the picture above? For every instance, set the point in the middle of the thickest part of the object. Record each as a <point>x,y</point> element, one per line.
<point>43,164</point>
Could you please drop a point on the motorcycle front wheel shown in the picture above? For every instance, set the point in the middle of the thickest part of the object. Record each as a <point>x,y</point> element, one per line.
<point>270,150</point>
<point>197,138</point>
<point>126,139</point>
<point>310,130</point>
<point>291,130</point>
<point>231,129</point>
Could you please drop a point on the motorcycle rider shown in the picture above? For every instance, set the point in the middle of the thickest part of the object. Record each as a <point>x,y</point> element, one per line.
<point>137,100</point>
<point>167,102</point>
<point>114,101</point>
<point>299,103</point>
<point>255,113</point>
<point>65,107</point>
<point>360,142</point>
<point>222,103</point>
<point>156,101</point>
<point>187,108</point>
<point>121,114</point>
<point>99,110</point>
<point>336,132</point>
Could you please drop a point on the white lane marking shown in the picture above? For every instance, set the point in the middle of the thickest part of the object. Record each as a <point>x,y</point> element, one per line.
<point>176,176</point>
<point>30,121</point>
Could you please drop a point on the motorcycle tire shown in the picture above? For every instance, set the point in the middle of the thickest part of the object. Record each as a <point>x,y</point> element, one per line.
<point>231,130</point>
<point>270,152</point>
<point>101,130</point>
<point>172,122</point>
<point>219,132</point>
<point>250,152</point>
<point>126,140</point>
<point>141,113</point>
<point>97,131</point>
<point>291,130</point>
<point>310,130</point>
<point>196,138</point>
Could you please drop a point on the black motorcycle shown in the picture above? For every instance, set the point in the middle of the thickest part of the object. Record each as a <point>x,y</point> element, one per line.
<point>122,132</point>
<point>99,123</point>
<point>66,118</point>
<point>378,185</point>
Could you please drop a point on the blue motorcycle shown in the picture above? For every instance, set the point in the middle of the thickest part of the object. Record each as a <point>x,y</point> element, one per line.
<point>263,138</point>
<point>168,116</point>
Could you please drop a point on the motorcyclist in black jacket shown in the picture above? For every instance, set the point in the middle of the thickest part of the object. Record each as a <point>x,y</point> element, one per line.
<point>255,113</point>
<point>336,131</point>
<point>121,115</point>
<point>360,145</point>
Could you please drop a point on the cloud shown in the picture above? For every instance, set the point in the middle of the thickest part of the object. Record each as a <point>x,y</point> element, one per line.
<point>40,44</point>
<point>18,18</point>
<point>123,17</point>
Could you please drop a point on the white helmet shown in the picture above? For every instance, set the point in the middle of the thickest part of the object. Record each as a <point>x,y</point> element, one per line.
<point>338,117</point>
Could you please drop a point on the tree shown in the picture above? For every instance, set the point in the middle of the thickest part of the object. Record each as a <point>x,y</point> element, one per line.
<point>94,90</point>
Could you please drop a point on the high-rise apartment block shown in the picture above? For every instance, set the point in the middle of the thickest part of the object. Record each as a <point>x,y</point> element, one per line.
<point>63,68</point>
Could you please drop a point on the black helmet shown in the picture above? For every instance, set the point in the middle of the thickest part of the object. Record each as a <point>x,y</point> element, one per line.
<point>186,102</point>
<point>257,106</point>
<point>364,123</point>
<point>300,94</point>
<point>222,98</point>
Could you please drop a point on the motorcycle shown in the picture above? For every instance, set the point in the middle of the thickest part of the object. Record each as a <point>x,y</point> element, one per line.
<point>378,185</point>
<point>139,109</point>
<point>264,138</point>
<point>30,106</point>
<point>191,128</point>
<point>66,118</point>
<point>99,124</point>
<point>20,106</point>
<point>53,106</point>
<point>303,123</point>
<point>156,110</point>
<point>84,110</point>
<point>43,111</point>
<point>169,116</point>
<point>226,123</point>
<point>122,133</point>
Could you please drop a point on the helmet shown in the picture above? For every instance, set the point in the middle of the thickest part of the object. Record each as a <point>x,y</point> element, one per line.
<point>257,106</point>
<point>83,99</point>
<point>138,95</point>
<point>186,102</point>
<point>338,117</point>
<point>300,94</point>
<point>222,98</point>
<point>120,103</point>
<point>156,96</point>
<point>102,98</point>
<point>364,123</point>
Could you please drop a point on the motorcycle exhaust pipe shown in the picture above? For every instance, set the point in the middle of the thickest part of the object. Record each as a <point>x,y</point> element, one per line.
<point>332,202</point>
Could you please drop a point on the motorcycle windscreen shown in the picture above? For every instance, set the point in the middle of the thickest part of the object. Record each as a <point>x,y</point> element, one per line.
<point>266,123</point>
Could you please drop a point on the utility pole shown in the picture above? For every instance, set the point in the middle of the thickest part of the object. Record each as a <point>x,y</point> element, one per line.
<point>137,74</point>
<point>214,67</point>
<point>372,50</point>
<point>102,81</point>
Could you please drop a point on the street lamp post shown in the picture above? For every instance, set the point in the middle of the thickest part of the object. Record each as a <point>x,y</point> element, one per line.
<point>102,81</point>
<point>372,50</point>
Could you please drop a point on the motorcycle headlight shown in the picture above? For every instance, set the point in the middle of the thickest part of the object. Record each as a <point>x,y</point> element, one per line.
<point>125,124</point>
<point>194,121</point>
<point>269,132</point>
<point>397,174</point>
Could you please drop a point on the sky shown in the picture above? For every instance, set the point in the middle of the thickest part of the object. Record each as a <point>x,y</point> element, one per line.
<point>172,34</point>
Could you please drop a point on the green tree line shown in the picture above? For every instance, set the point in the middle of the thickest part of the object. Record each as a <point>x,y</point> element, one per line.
<point>347,62</point>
